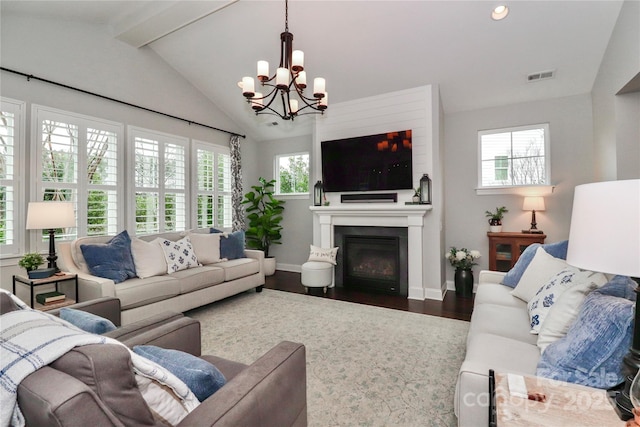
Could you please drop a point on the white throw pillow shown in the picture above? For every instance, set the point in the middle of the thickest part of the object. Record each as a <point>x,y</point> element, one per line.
<point>541,303</point>
<point>323,255</point>
<point>179,255</point>
<point>565,310</point>
<point>206,246</point>
<point>148,258</point>
<point>542,268</point>
<point>163,402</point>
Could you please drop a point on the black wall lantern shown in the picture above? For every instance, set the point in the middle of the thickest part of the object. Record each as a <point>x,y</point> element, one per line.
<point>425,189</point>
<point>317,194</point>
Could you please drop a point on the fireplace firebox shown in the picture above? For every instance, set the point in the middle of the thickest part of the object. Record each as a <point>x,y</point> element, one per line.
<point>372,263</point>
<point>372,259</point>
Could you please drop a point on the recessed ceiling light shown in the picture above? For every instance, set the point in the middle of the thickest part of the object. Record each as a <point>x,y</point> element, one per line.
<point>499,12</point>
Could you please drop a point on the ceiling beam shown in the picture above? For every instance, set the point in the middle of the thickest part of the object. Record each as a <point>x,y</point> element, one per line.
<point>169,20</point>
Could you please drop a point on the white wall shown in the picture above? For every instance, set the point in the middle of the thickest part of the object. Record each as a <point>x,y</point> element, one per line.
<point>86,56</point>
<point>617,139</point>
<point>572,159</point>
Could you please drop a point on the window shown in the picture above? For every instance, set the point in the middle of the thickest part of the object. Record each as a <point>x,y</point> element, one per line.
<point>514,156</point>
<point>502,168</point>
<point>78,161</point>
<point>213,190</point>
<point>11,161</point>
<point>160,187</point>
<point>292,173</point>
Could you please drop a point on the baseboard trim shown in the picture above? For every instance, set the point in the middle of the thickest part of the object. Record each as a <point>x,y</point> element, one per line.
<point>293,268</point>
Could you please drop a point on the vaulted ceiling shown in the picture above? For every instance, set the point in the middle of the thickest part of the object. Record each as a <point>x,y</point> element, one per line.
<point>363,48</point>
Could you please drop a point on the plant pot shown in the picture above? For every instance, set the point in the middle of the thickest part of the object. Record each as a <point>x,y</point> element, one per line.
<point>416,199</point>
<point>269,266</point>
<point>495,225</point>
<point>42,273</point>
<point>463,280</point>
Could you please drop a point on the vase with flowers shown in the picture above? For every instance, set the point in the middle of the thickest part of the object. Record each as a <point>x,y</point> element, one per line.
<point>463,260</point>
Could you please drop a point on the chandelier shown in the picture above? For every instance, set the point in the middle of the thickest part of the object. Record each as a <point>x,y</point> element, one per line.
<point>287,84</point>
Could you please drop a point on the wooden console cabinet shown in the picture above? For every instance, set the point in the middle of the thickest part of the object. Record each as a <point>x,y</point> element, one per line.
<point>505,248</point>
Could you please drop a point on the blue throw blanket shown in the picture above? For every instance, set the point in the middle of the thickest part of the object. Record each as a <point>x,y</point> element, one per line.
<point>31,339</point>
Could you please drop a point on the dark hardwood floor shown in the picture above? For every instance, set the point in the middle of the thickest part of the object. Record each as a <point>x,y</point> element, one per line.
<point>453,307</point>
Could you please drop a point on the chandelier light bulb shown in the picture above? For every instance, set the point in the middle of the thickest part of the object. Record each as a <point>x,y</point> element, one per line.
<point>293,105</point>
<point>297,60</point>
<point>301,80</point>
<point>323,102</point>
<point>263,71</point>
<point>282,78</point>
<point>248,88</point>
<point>256,101</point>
<point>318,87</point>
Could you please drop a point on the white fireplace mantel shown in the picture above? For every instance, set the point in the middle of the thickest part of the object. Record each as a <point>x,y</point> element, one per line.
<point>378,215</point>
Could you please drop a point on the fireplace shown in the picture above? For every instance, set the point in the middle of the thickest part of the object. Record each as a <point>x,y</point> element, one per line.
<point>372,263</point>
<point>372,259</point>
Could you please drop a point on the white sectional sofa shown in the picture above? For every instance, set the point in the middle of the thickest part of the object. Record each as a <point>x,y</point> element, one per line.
<point>499,339</point>
<point>576,327</point>
<point>179,291</point>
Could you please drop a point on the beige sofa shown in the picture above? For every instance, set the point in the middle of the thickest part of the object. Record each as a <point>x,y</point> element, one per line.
<point>179,291</point>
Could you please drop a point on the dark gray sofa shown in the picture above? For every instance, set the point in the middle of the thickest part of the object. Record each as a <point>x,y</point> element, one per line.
<point>92,385</point>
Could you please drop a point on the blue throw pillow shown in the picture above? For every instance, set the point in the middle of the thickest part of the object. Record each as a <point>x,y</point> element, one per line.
<point>112,260</point>
<point>621,287</point>
<point>88,322</point>
<point>556,250</point>
<point>592,351</point>
<point>202,378</point>
<point>231,247</point>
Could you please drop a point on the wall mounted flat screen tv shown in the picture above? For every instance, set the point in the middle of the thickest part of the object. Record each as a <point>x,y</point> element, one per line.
<point>368,163</point>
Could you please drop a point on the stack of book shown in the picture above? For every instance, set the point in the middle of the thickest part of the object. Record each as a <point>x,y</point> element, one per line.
<point>48,298</point>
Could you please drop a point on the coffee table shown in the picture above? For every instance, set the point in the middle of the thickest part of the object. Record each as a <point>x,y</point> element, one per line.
<point>566,405</point>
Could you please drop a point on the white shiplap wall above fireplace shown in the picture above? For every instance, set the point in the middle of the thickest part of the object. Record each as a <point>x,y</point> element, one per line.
<point>417,109</point>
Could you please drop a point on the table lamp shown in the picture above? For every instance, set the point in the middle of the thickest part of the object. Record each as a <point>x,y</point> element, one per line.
<point>605,237</point>
<point>50,216</point>
<point>533,204</point>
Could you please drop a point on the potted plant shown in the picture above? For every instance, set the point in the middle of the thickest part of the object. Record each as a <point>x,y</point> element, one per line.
<point>31,262</point>
<point>462,260</point>
<point>495,219</point>
<point>416,195</point>
<point>264,213</point>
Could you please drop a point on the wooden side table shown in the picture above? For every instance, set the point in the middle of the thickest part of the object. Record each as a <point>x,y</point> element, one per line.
<point>55,279</point>
<point>566,405</point>
<point>505,248</point>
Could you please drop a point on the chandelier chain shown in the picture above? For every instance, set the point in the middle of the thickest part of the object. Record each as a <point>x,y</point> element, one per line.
<point>286,15</point>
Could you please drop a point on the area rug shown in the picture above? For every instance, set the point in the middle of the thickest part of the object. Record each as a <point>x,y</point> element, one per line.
<point>366,366</point>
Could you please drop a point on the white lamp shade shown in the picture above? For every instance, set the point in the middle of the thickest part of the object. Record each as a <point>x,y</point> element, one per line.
<point>46,215</point>
<point>605,228</point>
<point>533,203</point>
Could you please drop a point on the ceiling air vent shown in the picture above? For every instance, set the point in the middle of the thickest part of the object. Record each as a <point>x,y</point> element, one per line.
<point>541,75</point>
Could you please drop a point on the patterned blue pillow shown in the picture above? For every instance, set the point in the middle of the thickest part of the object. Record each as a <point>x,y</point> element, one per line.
<point>556,250</point>
<point>111,260</point>
<point>231,247</point>
<point>179,255</point>
<point>88,322</point>
<point>591,353</point>
<point>202,378</point>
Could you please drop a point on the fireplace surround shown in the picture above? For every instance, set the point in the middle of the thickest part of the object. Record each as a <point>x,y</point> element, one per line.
<point>412,218</point>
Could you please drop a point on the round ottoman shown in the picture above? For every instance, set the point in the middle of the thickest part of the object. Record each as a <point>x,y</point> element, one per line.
<point>316,274</point>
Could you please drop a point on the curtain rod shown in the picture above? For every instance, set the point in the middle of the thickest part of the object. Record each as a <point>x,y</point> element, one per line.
<point>190,122</point>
